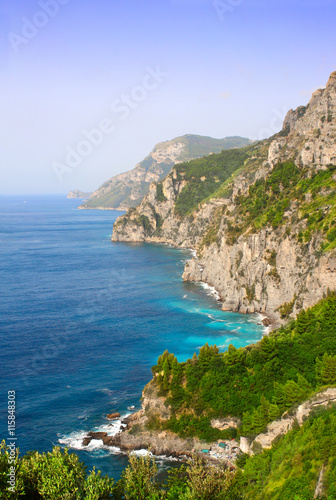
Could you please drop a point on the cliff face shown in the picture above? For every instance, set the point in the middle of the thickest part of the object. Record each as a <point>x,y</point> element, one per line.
<point>140,435</point>
<point>247,282</point>
<point>274,262</point>
<point>128,189</point>
<point>309,131</point>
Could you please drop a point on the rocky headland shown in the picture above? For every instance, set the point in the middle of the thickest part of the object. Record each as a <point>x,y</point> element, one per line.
<point>137,434</point>
<point>128,189</point>
<point>275,268</point>
<point>78,194</point>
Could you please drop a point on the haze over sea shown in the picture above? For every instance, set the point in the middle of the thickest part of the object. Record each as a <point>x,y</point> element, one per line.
<point>83,320</point>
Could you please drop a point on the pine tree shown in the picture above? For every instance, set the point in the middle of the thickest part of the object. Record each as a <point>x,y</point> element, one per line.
<point>302,322</point>
<point>326,369</point>
<point>264,408</point>
<point>279,397</point>
<point>247,423</point>
<point>207,354</point>
<point>258,421</point>
<point>274,412</point>
<point>166,375</point>
<point>330,311</point>
<point>304,385</point>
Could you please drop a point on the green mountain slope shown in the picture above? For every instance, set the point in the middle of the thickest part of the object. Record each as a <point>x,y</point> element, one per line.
<point>301,462</point>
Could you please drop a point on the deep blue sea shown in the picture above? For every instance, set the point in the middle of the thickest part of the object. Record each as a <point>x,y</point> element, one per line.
<point>83,320</point>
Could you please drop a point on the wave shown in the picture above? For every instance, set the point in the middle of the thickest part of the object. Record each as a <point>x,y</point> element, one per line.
<point>74,440</point>
<point>211,290</point>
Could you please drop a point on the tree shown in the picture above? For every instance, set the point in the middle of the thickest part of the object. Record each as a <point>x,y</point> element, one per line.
<point>53,475</point>
<point>207,354</point>
<point>139,479</point>
<point>264,408</point>
<point>326,369</point>
<point>274,412</point>
<point>211,483</point>
<point>247,423</point>
<point>302,322</point>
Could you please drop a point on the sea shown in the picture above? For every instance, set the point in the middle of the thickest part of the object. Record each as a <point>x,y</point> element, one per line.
<point>83,320</point>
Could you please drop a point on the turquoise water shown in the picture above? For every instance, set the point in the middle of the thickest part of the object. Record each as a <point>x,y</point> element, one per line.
<point>83,320</point>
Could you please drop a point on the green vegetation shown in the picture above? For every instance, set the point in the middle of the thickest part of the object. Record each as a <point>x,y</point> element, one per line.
<point>59,475</point>
<point>211,235</point>
<point>289,197</point>
<point>197,481</point>
<point>309,199</point>
<point>144,222</point>
<point>198,146</point>
<point>159,193</point>
<point>301,111</point>
<point>52,476</point>
<point>150,228</point>
<point>256,383</point>
<point>287,308</point>
<point>205,176</point>
<point>129,191</point>
<point>269,199</point>
<point>291,469</point>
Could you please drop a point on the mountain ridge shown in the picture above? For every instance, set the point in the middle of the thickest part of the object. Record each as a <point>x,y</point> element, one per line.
<point>127,189</point>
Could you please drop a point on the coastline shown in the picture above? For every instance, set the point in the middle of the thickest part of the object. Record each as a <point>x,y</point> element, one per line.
<point>268,319</point>
<point>159,444</point>
<point>165,444</point>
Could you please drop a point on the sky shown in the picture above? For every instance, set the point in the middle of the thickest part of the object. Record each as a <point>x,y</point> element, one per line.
<point>88,87</point>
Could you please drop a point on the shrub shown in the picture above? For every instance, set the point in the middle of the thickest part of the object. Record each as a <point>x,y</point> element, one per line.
<point>159,193</point>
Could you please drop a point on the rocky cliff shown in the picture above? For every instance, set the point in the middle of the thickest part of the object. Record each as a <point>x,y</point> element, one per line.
<point>141,430</point>
<point>128,189</point>
<point>309,132</point>
<point>265,231</point>
<point>142,433</point>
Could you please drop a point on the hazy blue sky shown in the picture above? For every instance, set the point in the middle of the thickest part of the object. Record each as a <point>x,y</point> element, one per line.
<point>145,72</point>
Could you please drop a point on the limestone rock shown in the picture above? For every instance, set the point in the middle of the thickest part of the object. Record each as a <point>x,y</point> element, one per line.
<point>225,423</point>
<point>243,274</point>
<point>112,416</point>
<point>245,446</point>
